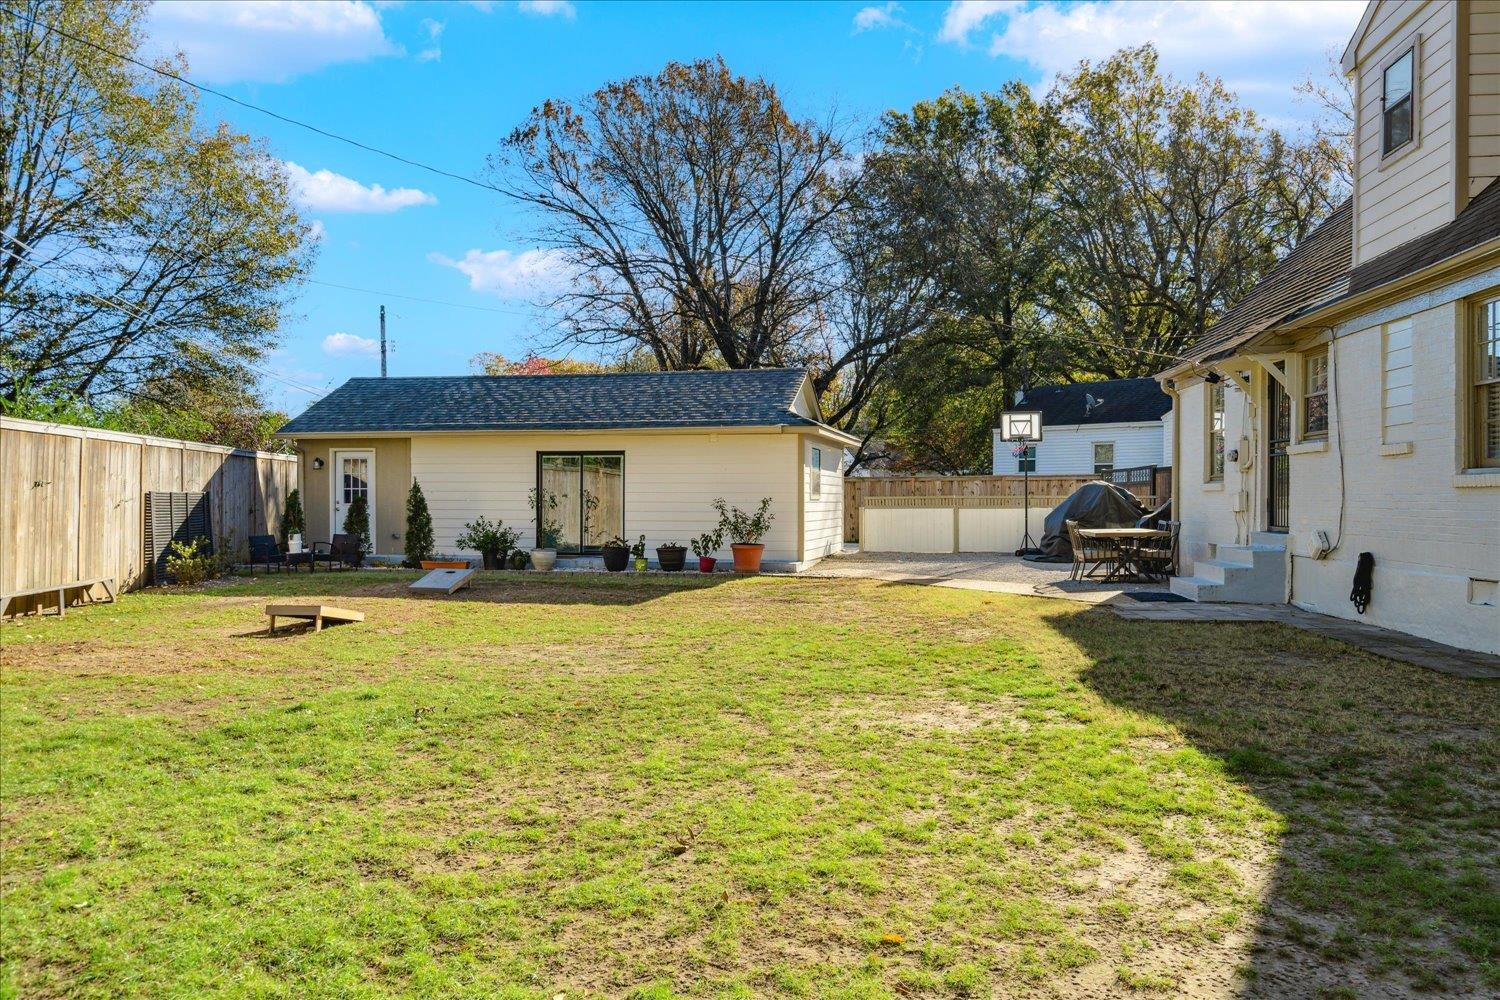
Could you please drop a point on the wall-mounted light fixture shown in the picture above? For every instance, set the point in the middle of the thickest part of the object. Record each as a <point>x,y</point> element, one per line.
<point>1213,378</point>
<point>317,463</point>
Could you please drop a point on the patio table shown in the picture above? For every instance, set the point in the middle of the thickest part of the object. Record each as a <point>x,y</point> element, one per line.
<point>1127,542</point>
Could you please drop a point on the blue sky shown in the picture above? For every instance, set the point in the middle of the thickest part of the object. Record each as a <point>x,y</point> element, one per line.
<point>443,82</point>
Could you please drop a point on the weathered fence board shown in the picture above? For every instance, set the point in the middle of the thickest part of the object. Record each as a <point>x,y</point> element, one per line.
<point>72,499</point>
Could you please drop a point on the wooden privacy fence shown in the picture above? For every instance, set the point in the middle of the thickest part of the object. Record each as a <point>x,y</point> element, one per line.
<point>1045,490</point>
<point>72,499</point>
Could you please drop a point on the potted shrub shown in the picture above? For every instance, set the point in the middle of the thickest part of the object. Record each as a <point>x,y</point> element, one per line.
<point>548,530</point>
<point>671,557</point>
<point>491,539</point>
<point>704,547</point>
<point>616,553</point>
<point>518,559</point>
<point>419,540</point>
<point>357,523</point>
<point>745,532</point>
<point>638,551</point>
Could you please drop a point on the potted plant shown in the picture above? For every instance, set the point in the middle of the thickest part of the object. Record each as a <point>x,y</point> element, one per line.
<point>704,547</point>
<point>745,532</point>
<point>671,557</point>
<point>638,551</point>
<point>518,559</point>
<point>548,530</point>
<point>357,523</point>
<point>293,523</point>
<point>616,553</point>
<point>491,539</point>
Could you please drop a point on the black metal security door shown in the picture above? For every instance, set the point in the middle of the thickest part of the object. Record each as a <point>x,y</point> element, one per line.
<point>1278,436</point>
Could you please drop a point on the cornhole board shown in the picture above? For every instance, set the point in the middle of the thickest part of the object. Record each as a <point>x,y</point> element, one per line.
<point>316,613</point>
<point>444,581</point>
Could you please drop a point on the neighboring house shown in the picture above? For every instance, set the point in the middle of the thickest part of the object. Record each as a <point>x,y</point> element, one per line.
<point>652,451</point>
<point>1092,428</point>
<point>1351,402</point>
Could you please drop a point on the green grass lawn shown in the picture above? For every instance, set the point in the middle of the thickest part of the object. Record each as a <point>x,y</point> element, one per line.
<point>606,786</point>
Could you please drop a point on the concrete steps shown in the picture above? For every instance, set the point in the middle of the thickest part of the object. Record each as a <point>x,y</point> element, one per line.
<point>1244,574</point>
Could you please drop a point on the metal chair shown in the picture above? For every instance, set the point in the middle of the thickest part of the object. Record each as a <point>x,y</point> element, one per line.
<point>1158,556</point>
<point>1088,553</point>
<point>343,549</point>
<point>264,549</point>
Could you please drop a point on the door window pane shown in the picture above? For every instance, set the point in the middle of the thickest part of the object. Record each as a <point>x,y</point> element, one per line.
<point>604,498</point>
<point>561,481</point>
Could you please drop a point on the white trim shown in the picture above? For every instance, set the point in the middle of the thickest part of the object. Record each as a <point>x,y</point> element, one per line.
<point>1397,448</point>
<point>1312,447</point>
<point>335,487</point>
<point>1481,478</point>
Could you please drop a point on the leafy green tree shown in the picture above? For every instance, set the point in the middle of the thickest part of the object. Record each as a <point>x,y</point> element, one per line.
<point>293,522</point>
<point>140,244</point>
<point>357,523</point>
<point>419,539</point>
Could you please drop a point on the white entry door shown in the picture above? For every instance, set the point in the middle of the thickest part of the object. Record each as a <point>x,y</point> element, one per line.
<point>353,476</point>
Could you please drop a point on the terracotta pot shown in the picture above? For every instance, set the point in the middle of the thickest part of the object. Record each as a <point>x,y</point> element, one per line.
<point>616,557</point>
<point>543,560</point>
<point>671,558</point>
<point>747,557</point>
<point>706,564</point>
<point>445,564</point>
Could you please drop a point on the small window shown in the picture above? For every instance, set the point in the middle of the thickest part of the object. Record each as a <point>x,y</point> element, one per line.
<point>1216,433</point>
<point>1025,458</point>
<point>1315,394</point>
<point>1104,457</point>
<point>815,485</point>
<point>1396,102</point>
<point>1485,392</point>
<point>1396,387</point>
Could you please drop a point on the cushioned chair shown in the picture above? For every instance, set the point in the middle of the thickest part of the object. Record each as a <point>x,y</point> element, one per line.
<point>1088,553</point>
<point>264,550</point>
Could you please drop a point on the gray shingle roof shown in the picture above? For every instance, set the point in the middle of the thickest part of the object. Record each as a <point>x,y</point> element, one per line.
<point>755,398</point>
<point>1117,401</point>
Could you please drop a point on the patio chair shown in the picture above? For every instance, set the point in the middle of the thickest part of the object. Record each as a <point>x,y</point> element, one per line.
<point>1088,553</point>
<point>265,550</point>
<point>343,549</point>
<point>1158,556</point>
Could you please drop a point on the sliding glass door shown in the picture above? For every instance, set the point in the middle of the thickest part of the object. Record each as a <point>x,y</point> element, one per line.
<point>589,490</point>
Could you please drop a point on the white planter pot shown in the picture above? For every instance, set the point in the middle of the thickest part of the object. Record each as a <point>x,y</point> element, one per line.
<point>543,559</point>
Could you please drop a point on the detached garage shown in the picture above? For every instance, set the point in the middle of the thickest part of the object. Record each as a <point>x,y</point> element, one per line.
<point>651,450</point>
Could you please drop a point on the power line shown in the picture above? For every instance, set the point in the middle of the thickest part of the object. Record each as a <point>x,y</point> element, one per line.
<point>265,111</point>
<point>418,298</point>
<point>130,311</point>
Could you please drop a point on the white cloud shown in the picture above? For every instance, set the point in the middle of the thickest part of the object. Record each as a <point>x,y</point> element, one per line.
<point>548,8</point>
<point>875,18</point>
<point>511,275</point>
<point>316,231</point>
<point>326,191</point>
<point>268,40</point>
<point>434,30</point>
<point>963,16</point>
<point>350,345</point>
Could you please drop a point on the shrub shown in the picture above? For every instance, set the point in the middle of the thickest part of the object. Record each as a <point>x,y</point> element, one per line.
<point>419,540</point>
<point>191,563</point>
<point>357,522</point>
<point>292,520</point>
<point>742,528</point>
<point>488,538</point>
<point>708,543</point>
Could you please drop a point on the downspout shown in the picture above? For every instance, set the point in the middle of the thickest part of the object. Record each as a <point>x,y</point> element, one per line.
<point>1176,480</point>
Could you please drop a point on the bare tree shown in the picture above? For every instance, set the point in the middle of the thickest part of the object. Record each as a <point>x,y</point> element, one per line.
<point>693,208</point>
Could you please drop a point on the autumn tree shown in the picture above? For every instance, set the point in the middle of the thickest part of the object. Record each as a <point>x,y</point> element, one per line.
<point>139,247</point>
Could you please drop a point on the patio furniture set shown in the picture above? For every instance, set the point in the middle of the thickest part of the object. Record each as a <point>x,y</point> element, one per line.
<point>266,551</point>
<point>1133,555</point>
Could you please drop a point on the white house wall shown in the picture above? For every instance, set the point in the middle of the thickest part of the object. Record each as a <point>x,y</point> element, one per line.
<point>823,520</point>
<point>1207,508</point>
<point>670,482</point>
<point>1068,450</point>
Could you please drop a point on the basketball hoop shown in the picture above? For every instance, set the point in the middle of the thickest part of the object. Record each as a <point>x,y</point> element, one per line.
<point>1023,428</point>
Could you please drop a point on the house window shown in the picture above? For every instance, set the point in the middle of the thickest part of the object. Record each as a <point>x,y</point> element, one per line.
<point>1315,394</point>
<point>1396,388</point>
<point>1486,385</point>
<point>815,487</point>
<point>585,498</point>
<point>1026,458</point>
<point>1104,457</point>
<point>1216,433</point>
<point>1396,102</point>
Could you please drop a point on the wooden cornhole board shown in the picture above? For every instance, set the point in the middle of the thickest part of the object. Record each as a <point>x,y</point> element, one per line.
<point>444,581</point>
<point>316,613</point>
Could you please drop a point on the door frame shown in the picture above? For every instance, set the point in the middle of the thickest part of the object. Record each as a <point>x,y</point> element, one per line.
<point>336,487</point>
<point>1270,493</point>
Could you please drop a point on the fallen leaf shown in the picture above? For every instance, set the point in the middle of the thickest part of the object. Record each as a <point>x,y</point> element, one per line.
<point>892,939</point>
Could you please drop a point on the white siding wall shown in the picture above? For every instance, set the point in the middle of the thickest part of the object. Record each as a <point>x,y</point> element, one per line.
<point>1206,508</point>
<point>823,522</point>
<point>1484,94</point>
<point>670,480</point>
<point>1411,191</point>
<point>1069,450</point>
